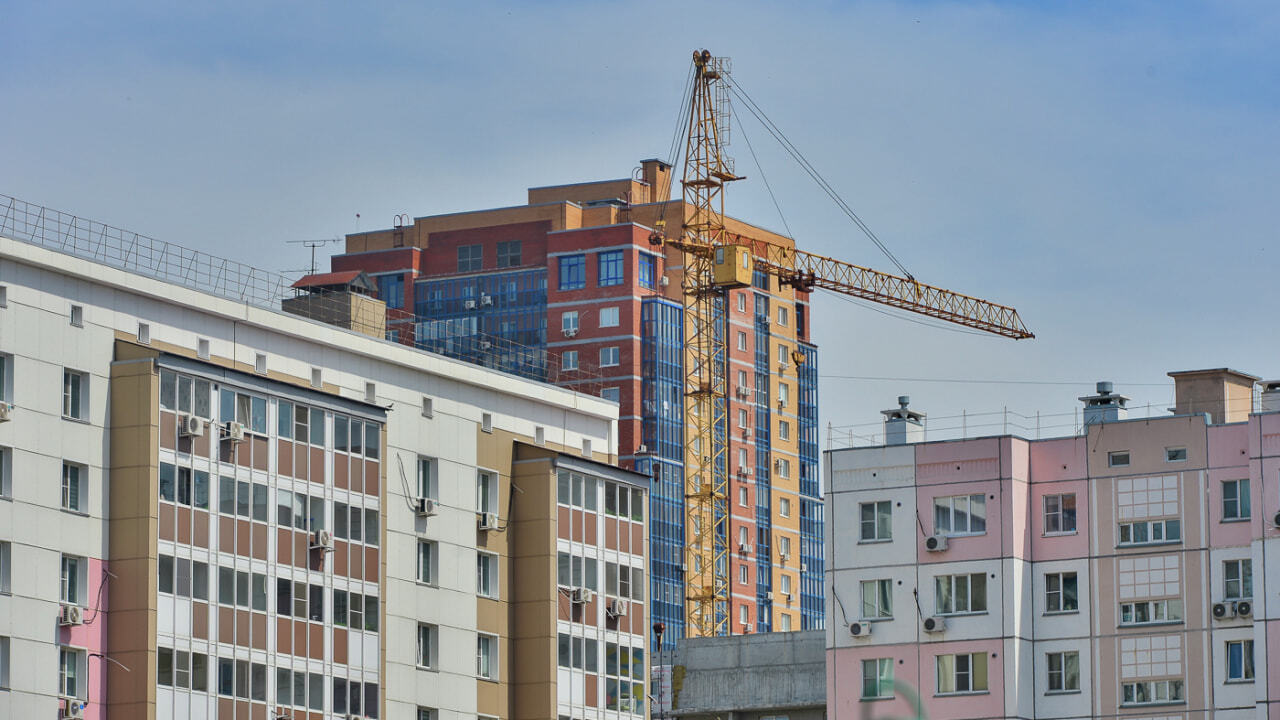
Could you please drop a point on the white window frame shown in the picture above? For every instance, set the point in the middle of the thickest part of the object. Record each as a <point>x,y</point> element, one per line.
<point>1063,677</point>
<point>1240,572</point>
<point>1061,592</point>
<point>427,649</point>
<point>875,526</point>
<point>610,316</point>
<point>428,551</point>
<point>79,503</point>
<point>569,360</point>
<point>487,574</point>
<point>6,472</point>
<point>784,430</point>
<point>784,622</point>
<point>1151,528</point>
<point>783,315</point>
<point>742,302</point>
<point>486,491</point>
<point>1059,515</point>
<point>743,497</point>
<point>953,582</point>
<point>569,321</point>
<point>876,609</point>
<point>75,402</point>
<point>1159,611</point>
<point>951,502</point>
<point>1248,670</point>
<point>742,341</point>
<point>784,507</point>
<point>428,477</point>
<point>880,672</point>
<point>4,663</point>
<point>1118,458</point>
<point>971,661</point>
<point>609,356</point>
<point>73,681</point>
<point>72,575</point>
<point>487,656</point>
<point>1159,692</point>
<point>1243,503</point>
<point>784,468</point>
<point>6,567</point>
<point>744,574</point>
<point>1176,454</point>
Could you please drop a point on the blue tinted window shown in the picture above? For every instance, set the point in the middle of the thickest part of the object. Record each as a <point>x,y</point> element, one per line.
<point>573,272</point>
<point>391,290</point>
<point>611,272</point>
<point>647,268</point>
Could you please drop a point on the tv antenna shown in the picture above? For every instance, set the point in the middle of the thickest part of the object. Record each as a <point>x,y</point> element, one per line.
<point>313,244</point>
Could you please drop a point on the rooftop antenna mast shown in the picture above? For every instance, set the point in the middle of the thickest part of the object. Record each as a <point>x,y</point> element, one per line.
<point>313,244</point>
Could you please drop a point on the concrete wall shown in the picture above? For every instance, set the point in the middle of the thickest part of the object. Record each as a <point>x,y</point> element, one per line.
<point>750,676</point>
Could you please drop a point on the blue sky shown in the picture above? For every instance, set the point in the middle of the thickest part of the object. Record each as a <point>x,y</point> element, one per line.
<point>1107,168</point>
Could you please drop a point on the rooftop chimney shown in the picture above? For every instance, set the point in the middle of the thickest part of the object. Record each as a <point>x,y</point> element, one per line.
<point>1106,406</point>
<point>657,174</point>
<point>1225,394</point>
<point>903,426</point>
<point>1270,401</point>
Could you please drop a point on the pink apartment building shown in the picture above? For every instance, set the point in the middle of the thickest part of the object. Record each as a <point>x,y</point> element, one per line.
<point>1121,572</point>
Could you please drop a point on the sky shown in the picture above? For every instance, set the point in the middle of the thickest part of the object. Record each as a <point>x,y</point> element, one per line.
<point>1108,168</point>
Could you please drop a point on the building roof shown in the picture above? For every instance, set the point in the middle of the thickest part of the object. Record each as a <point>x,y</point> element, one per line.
<point>347,279</point>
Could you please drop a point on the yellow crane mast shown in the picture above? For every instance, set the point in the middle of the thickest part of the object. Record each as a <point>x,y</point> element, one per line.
<point>715,261</point>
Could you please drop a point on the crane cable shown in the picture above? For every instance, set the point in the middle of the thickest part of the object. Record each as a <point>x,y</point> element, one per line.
<point>813,173</point>
<point>673,151</point>
<point>760,168</point>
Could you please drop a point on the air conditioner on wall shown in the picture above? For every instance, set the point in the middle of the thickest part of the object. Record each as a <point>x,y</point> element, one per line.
<point>860,629</point>
<point>486,299</point>
<point>571,332</point>
<point>487,521</point>
<point>935,624</point>
<point>424,507</point>
<point>617,607</point>
<point>190,426</point>
<point>582,596</point>
<point>935,543</point>
<point>469,304</point>
<point>5,411</point>
<point>233,431</point>
<point>322,540</point>
<point>72,708</point>
<point>70,614</point>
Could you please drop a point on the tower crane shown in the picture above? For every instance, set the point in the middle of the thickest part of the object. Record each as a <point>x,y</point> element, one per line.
<point>716,260</point>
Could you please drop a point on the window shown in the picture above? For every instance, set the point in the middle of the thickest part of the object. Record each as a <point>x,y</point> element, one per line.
<point>962,673</point>
<point>877,678</point>
<point>784,468</point>
<point>1237,579</point>
<point>1059,514</point>
<point>6,558</point>
<point>1151,612</point>
<point>6,382</point>
<point>74,478</point>
<point>1061,593</point>
<point>783,316</point>
<point>573,272</point>
<point>426,561</point>
<point>782,355</point>
<point>71,580</point>
<point>784,546</point>
<point>487,575</point>
<point>1064,671</point>
<point>877,520</point>
<point>6,472</point>
<point>648,270</point>
<point>1150,532</point>
<point>960,515</point>
<point>1175,454</point>
<point>569,322</point>
<point>1119,458</point>
<point>623,665</point>
<point>610,268</point>
<point>75,391</point>
<point>611,394</point>
<point>391,290</point>
<point>470,257</point>
<point>742,302</point>
<point>784,430</point>
<point>487,656</point>
<point>486,492</point>
<point>784,623</point>
<point>1235,499</point>
<point>427,636</point>
<point>428,484</point>
<point>69,673</point>
<point>958,594</point>
<point>509,253</point>
<point>609,356</point>
<point>785,585</point>
<point>426,714</point>
<point>742,341</point>
<point>742,418</point>
<point>743,574</point>
<point>742,496</point>
<point>4,662</point>
<point>609,317</point>
<point>1240,661</point>
<point>784,507</point>
<point>1151,692</point>
<point>77,315</point>
<point>877,599</point>
<point>569,360</point>
<point>784,394</point>
<point>359,612</point>
<point>186,670</point>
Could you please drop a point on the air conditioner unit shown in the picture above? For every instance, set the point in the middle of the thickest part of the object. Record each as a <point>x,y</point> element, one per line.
<point>1244,608</point>
<point>322,540</point>
<point>485,344</point>
<point>469,304</point>
<point>425,507</point>
<point>642,450</point>
<point>70,614</point>
<point>72,707</point>
<point>582,596</point>
<point>486,299</point>
<point>744,548</point>
<point>487,520</point>
<point>804,567</point>
<point>781,403</point>
<point>935,624</point>
<point>782,367</point>
<point>746,627</point>
<point>5,410</point>
<point>571,332</point>
<point>769,596</point>
<point>191,426</point>
<point>1276,520</point>
<point>746,434</point>
<point>788,596</point>
<point>1224,610</point>
<point>617,607</point>
<point>935,543</point>
<point>233,431</point>
<point>783,557</point>
<point>664,281</point>
<point>860,629</point>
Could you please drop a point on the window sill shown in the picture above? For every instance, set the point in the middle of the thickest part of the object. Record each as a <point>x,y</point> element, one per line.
<point>1126,546</point>
<point>964,614</point>
<point>963,694</point>
<point>1054,613</point>
<point>876,619</point>
<point>1062,692</point>
<point>876,541</point>
<point>1064,533</point>
<point>1238,682</point>
<point>1235,520</point>
<point>951,535</point>
<point>877,698</point>
<point>486,679</point>
<point>1166,703</point>
<point>82,421</point>
<point>1161,623</point>
<point>78,513</point>
<point>427,668</point>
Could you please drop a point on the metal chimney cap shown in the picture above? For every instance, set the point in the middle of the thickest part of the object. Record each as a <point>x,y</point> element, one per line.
<point>1105,387</point>
<point>904,401</point>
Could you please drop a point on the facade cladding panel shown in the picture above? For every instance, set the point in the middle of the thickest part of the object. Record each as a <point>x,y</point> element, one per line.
<point>811,506</point>
<point>590,242</point>
<point>1126,555</point>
